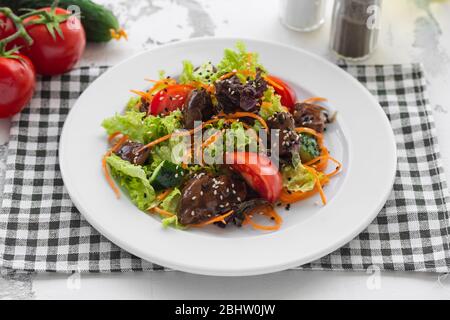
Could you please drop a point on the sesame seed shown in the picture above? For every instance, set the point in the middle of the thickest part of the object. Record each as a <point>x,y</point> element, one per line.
<point>194,197</point>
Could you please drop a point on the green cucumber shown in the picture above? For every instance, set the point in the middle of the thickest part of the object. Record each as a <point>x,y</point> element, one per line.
<point>309,148</point>
<point>96,19</point>
<point>167,175</point>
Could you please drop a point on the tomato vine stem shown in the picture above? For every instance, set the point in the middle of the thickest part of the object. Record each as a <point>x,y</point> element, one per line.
<point>21,32</point>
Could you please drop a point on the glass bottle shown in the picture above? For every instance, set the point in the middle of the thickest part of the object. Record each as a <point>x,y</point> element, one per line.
<point>355,28</point>
<point>302,15</point>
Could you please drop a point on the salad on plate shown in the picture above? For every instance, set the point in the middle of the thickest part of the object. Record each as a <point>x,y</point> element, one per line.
<point>220,144</point>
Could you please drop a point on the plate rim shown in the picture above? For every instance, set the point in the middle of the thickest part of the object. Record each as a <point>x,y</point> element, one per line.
<point>247,271</point>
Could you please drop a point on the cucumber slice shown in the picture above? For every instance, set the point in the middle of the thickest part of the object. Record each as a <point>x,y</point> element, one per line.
<point>167,175</point>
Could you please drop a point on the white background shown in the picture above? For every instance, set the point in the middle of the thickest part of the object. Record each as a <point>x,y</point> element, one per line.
<point>413,31</point>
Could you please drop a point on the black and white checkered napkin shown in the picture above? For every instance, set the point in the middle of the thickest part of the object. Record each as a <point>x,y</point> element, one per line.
<point>41,230</point>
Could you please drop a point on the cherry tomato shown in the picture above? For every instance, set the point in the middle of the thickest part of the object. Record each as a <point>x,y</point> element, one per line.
<point>169,99</point>
<point>259,172</point>
<point>17,82</point>
<point>55,55</point>
<point>288,95</point>
<point>7,27</point>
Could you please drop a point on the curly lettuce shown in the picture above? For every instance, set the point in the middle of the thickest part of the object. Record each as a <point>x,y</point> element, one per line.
<point>143,129</point>
<point>132,104</point>
<point>134,179</point>
<point>297,178</point>
<point>233,60</point>
<point>239,59</point>
<point>172,222</point>
<point>236,138</point>
<point>171,201</point>
<point>203,74</point>
<point>271,104</point>
<point>130,123</point>
<point>170,204</point>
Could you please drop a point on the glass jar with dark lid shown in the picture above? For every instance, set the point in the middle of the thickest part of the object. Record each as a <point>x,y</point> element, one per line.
<point>355,28</point>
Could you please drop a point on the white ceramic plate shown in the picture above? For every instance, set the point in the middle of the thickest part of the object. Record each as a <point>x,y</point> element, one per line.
<point>361,138</point>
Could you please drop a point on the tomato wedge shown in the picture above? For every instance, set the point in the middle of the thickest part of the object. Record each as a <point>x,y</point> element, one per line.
<point>169,99</point>
<point>259,172</point>
<point>288,95</point>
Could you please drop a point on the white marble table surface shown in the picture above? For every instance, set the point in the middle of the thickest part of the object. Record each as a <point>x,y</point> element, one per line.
<point>413,31</point>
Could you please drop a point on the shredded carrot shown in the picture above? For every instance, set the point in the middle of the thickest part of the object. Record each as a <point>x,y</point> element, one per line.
<point>208,87</point>
<point>312,132</point>
<point>164,194</point>
<point>213,220</point>
<point>105,167</point>
<point>162,212</point>
<point>112,136</point>
<point>318,184</point>
<point>227,75</point>
<point>211,139</point>
<point>319,159</point>
<point>273,83</point>
<point>314,99</point>
<point>321,162</point>
<point>152,80</point>
<point>292,197</point>
<point>165,81</point>
<point>338,167</point>
<point>145,95</point>
<point>208,142</point>
<point>249,115</point>
<point>158,85</point>
<point>322,165</point>
<point>266,104</point>
<point>247,73</point>
<point>267,211</point>
<point>178,134</point>
<point>249,57</point>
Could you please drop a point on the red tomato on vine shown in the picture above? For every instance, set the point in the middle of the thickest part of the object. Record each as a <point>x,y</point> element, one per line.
<point>59,41</point>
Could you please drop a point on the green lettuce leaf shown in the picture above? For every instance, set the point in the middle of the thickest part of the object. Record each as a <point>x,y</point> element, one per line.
<point>238,60</point>
<point>236,138</point>
<point>143,129</point>
<point>204,74</point>
<point>129,124</point>
<point>272,104</point>
<point>134,179</point>
<point>170,203</point>
<point>297,178</point>
<point>132,103</point>
<point>158,126</point>
<point>172,221</point>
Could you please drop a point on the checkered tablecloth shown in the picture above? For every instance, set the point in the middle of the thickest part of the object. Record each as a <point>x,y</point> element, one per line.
<point>41,230</point>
